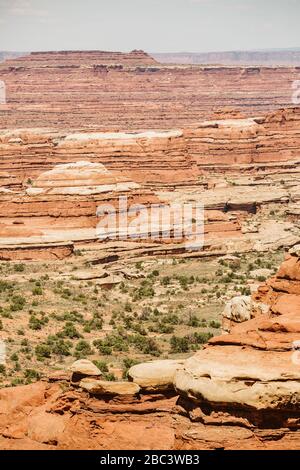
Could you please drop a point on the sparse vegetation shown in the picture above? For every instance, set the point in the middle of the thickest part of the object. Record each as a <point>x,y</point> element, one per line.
<point>169,309</point>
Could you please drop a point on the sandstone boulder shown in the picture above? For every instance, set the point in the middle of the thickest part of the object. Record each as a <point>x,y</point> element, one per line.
<point>237,310</point>
<point>102,387</point>
<point>84,368</point>
<point>109,282</point>
<point>79,178</point>
<point>295,250</point>
<point>232,260</point>
<point>155,376</point>
<point>241,378</point>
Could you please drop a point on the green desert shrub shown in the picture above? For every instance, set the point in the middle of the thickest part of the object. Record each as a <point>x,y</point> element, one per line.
<point>53,345</point>
<point>6,286</point>
<point>72,316</point>
<point>193,321</point>
<point>199,338</point>
<point>32,374</point>
<point>109,376</point>
<point>83,349</point>
<point>165,329</point>
<point>102,365</point>
<point>37,322</point>
<point>185,343</point>
<point>145,290</point>
<point>113,342</point>
<point>19,267</point>
<point>61,348</point>
<point>43,351</point>
<point>14,357</point>
<point>69,331</point>
<point>171,318</point>
<point>144,345</point>
<point>17,381</point>
<point>165,281</point>
<point>128,307</point>
<point>37,291</point>
<point>179,344</point>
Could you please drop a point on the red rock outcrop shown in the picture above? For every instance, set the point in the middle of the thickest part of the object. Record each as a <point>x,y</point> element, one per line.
<point>245,144</point>
<point>253,373</point>
<point>263,146</point>
<point>60,206</point>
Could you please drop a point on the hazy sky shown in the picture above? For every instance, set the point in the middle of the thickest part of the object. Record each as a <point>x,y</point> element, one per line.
<point>152,25</point>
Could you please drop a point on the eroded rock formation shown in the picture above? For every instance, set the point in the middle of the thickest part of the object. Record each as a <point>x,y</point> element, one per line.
<point>61,205</point>
<point>236,168</point>
<point>261,147</point>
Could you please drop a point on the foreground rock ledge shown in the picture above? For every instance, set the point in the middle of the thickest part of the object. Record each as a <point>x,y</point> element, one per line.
<point>240,378</point>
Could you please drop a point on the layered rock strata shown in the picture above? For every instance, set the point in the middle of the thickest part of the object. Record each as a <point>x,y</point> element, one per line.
<point>263,148</point>
<point>148,157</point>
<point>82,202</point>
<point>235,168</point>
<point>61,205</point>
<point>113,91</point>
<point>243,169</point>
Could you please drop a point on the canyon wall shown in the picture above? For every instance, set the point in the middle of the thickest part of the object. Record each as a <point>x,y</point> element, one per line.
<point>235,167</point>
<point>257,142</point>
<point>177,157</point>
<point>113,91</point>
